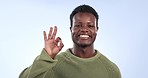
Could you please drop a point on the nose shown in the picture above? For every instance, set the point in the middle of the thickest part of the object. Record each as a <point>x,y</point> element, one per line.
<point>84,28</point>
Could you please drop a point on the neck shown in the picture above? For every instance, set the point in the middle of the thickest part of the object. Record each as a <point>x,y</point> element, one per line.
<point>83,52</point>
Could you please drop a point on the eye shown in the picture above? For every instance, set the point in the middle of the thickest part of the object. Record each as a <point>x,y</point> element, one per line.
<point>78,25</point>
<point>91,26</point>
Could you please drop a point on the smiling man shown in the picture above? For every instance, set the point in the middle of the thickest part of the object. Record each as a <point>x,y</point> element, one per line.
<point>83,32</point>
<point>80,61</point>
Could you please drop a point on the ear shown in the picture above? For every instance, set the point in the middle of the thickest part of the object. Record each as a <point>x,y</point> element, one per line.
<point>97,28</point>
<point>70,29</point>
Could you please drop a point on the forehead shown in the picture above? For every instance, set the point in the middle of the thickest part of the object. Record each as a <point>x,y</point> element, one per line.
<point>84,15</point>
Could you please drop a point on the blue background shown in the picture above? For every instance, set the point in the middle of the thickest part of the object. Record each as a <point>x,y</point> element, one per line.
<point>122,37</point>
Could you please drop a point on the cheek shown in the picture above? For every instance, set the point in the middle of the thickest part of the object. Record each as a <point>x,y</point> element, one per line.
<point>94,31</point>
<point>74,31</point>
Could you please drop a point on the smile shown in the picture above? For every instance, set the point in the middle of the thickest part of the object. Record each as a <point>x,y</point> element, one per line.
<point>84,36</point>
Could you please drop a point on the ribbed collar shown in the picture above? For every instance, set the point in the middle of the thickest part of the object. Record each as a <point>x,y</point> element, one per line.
<point>73,57</point>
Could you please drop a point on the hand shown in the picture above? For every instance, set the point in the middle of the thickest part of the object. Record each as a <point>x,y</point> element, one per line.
<point>52,46</point>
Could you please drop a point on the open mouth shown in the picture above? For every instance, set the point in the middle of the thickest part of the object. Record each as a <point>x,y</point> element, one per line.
<point>84,36</point>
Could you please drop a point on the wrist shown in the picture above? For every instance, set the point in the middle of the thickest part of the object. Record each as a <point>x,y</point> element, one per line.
<point>49,53</point>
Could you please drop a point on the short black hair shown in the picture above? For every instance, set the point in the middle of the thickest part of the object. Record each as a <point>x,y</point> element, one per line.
<point>84,8</point>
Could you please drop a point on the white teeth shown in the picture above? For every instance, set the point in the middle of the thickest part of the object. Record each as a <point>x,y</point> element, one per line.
<point>84,36</point>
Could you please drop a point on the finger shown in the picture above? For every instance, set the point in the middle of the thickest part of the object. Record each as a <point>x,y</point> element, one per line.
<point>50,32</point>
<point>57,39</point>
<point>45,37</point>
<point>61,45</point>
<point>54,33</point>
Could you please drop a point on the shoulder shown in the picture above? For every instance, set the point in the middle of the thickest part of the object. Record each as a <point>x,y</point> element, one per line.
<point>104,59</point>
<point>111,66</point>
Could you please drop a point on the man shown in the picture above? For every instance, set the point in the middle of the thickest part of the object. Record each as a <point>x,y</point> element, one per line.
<point>81,61</point>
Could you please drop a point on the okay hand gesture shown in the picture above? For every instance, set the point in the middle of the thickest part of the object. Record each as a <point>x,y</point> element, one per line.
<point>52,46</point>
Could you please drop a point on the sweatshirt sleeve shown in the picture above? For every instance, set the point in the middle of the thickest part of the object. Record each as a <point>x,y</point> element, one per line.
<point>40,66</point>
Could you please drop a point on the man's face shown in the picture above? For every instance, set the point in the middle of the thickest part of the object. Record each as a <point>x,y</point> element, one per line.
<point>84,29</point>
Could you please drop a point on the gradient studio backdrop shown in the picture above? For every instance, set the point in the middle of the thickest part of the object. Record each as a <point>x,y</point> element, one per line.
<point>123,34</point>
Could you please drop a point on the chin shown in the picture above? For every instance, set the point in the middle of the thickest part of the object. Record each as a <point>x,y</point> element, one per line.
<point>84,44</point>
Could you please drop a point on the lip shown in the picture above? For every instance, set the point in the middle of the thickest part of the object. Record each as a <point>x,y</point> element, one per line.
<point>84,36</point>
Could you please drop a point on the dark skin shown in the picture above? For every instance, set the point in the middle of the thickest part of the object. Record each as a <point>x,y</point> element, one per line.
<point>83,32</point>
<point>51,43</point>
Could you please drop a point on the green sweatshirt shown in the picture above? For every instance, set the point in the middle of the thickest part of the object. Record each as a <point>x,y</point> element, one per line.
<point>67,65</point>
